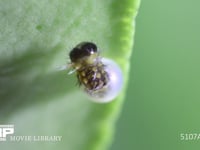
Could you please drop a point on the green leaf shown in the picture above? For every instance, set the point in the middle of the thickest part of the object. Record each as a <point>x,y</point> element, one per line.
<point>35,39</point>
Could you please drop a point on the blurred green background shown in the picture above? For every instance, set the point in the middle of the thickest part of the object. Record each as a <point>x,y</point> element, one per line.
<point>163,98</point>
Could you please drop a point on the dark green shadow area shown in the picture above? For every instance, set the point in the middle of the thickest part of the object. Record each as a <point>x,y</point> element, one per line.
<point>18,89</point>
